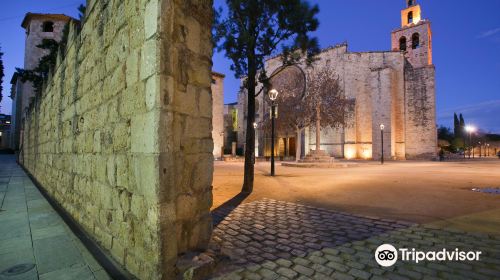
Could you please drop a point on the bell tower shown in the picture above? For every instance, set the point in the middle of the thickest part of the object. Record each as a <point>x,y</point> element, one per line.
<point>414,37</point>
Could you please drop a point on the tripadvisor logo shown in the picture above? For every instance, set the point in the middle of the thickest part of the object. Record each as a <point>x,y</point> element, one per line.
<point>387,255</point>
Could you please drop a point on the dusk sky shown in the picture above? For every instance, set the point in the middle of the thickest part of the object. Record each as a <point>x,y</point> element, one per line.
<point>466,47</point>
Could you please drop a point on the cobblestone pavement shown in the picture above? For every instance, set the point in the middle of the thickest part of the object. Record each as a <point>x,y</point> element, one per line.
<point>35,243</point>
<point>271,239</point>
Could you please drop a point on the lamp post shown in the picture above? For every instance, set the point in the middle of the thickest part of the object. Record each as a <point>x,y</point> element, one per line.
<point>255,152</point>
<point>480,149</point>
<point>487,150</point>
<point>382,127</point>
<point>273,94</point>
<point>222,147</point>
<point>470,129</point>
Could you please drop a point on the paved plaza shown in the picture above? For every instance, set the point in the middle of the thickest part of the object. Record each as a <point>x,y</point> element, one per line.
<point>413,191</point>
<point>270,239</point>
<point>35,243</point>
<point>294,226</point>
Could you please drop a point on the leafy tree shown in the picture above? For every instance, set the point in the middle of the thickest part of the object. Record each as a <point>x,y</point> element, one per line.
<point>82,9</point>
<point>444,133</point>
<point>458,143</point>
<point>493,137</point>
<point>48,62</point>
<point>456,126</point>
<point>45,65</point>
<point>2,74</point>
<point>462,126</point>
<point>252,31</point>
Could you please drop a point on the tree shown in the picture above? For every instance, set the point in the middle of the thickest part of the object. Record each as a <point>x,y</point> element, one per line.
<point>456,126</point>
<point>2,74</point>
<point>290,83</point>
<point>462,127</point>
<point>81,12</point>
<point>252,31</point>
<point>444,133</point>
<point>325,102</point>
<point>45,65</point>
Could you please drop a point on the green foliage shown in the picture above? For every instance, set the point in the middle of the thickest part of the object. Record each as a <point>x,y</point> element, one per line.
<point>493,137</point>
<point>444,133</point>
<point>48,62</point>
<point>458,143</point>
<point>82,9</point>
<point>254,30</point>
<point>251,32</point>
<point>462,126</point>
<point>456,126</point>
<point>2,74</point>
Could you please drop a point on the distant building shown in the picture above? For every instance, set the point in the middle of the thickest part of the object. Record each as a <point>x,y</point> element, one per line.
<point>230,126</point>
<point>395,88</point>
<point>218,113</point>
<point>38,27</point>
<point>50,26</point>
<point>5,130</point>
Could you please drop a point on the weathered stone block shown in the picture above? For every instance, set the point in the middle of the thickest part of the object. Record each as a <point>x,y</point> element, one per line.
<point>144,131</point>
<point>151,19</point>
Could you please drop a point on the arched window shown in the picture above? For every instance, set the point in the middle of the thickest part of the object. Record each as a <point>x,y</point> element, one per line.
<point>410,3</point>
<point>410,17</point>
<point>402,43</point>
<point>48,26</point>
<point>415,41</point>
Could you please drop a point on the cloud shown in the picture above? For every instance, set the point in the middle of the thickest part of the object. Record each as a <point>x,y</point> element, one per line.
<point>484,115</point>
<point>488,33</point>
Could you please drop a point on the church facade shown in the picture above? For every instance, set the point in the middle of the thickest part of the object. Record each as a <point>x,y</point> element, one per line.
<point>394,88</point>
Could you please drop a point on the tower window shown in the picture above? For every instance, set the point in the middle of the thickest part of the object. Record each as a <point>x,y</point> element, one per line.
<point>415,41</point>
<point>48,26</point>
<point>410,17</point>
<point>410,3</point>
<point>402,43</point>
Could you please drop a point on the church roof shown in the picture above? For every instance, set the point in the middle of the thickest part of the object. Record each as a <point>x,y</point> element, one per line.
<point>31,16</point>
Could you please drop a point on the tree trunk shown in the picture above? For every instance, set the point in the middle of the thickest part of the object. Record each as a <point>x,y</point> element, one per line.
<point>298,144</point>
<point>318,133</point>
<point>250,135</point>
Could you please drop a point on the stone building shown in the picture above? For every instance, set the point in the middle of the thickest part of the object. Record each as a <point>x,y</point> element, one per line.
<point>218,113</point>
<point>395,88</point>
<point>230,126</point>
<point>5,130</point>
<point>121,135</point>
<point>38,27</point>
<point>50,26</point>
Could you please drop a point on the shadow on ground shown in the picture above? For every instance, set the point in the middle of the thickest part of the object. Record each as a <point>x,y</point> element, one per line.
<point>267,239</point>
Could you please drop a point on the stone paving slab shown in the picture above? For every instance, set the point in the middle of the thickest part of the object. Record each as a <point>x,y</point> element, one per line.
<point>271,239</point>
<point>31,232</point>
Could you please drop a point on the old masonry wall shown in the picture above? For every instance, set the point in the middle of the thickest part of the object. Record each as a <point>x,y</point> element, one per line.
<point>121,136</point>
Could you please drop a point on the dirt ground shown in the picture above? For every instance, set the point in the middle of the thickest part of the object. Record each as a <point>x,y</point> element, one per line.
<point>422,192</point>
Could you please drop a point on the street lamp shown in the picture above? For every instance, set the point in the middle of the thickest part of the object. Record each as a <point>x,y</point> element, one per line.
<point>256,150</point>
<point>470,129</point>
<point>382,127</point>
<point>273,94</point>
<point>480,150</point>
<point>487,150</point>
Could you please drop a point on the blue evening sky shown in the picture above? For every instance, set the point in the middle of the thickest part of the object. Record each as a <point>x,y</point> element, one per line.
<point>466,42</point>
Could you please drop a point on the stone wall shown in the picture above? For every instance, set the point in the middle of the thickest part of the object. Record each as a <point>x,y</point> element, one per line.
<point>375,80</point>
<point>121,136</point>
<point>218,113</point>
<point>422,55</point>
<point>421,136</point>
